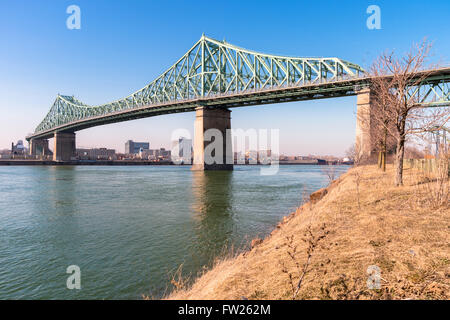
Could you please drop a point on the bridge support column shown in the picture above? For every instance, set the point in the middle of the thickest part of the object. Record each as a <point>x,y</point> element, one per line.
<point>364,124</point>
<point>64,149</point>
<point>212,140</point>
<point>39,147</point>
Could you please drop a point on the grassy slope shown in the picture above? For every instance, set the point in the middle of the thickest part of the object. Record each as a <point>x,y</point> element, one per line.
<point>397,229</point>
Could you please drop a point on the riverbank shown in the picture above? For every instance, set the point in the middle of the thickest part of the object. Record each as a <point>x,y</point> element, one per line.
<point>324,250</point>
<point>19,162</point>
<point>82,163</point>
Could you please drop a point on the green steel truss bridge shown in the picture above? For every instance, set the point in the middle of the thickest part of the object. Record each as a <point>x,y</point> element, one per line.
<point>217,74</point>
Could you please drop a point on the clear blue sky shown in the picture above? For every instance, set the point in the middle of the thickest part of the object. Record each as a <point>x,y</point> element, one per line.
<point>123,45</point>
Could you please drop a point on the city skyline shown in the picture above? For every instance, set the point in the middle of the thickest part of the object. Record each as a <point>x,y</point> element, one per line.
<point>23,143</point>
<point>45,58</point>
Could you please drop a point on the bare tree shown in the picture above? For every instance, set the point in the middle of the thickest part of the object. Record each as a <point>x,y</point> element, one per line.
<point>382,139</point>
<point>394,82</point>
<point>330,172</point>
<point>354,153</point>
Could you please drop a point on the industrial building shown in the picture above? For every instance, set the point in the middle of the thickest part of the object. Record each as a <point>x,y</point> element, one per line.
<point>96,154</point>
<point>132,147</point>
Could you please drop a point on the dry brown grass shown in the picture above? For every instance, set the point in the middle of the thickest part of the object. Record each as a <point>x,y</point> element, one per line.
<point>395,228</point>
<point>433,189</point>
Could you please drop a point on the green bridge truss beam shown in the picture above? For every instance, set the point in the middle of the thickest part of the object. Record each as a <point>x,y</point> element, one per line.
<point>208,69</point>
<point>217,74</point>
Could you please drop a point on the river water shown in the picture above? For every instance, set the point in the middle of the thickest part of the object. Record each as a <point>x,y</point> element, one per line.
<point>128,228</point>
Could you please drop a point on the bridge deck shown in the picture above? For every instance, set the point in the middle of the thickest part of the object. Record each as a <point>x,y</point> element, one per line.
<point>240,99</point>
<point>219,75</point>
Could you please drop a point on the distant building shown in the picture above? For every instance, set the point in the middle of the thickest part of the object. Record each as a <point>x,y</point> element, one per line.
<point>184,153</point>
<point>251,156</point>
<point>239,158</point>
<point>5,154</point>
<point>164,154</point>
<point>264,156</point>
<point>18,148</point>
<point>96,154</point>
<point>160,155</point>
<point>145,154</point>
<point>185,149</point>
<point>132,147</point>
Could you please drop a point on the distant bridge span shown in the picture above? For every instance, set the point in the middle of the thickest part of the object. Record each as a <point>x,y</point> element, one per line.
<point>216,75</point>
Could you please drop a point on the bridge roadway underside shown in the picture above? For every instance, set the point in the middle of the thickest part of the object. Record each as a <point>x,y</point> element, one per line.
<point>215,106</point>
<point>213,113</point>
<point>244,99</point>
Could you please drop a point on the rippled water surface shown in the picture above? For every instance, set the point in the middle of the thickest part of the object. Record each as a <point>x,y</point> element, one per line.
<point>127,228</point>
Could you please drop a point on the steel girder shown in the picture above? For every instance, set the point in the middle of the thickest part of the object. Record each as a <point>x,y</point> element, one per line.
<point>210,68</point>
<point>218,74</point>
<point>434,91</point>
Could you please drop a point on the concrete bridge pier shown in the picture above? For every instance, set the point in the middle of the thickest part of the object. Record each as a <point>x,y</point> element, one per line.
<point>364,124</point>
<point>64,147</point>
<point>39,147</point>
<point>212,148</point>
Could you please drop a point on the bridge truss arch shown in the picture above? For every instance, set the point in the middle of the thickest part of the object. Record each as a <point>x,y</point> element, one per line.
<point>211,68</point>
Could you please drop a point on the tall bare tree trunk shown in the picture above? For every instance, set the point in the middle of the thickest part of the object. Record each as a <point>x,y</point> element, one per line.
<point>397,101</point>
<point>380,155</point>
<point>399,161</point>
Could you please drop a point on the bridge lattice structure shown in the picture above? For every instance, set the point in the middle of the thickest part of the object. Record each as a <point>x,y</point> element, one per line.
<point>218,74</point>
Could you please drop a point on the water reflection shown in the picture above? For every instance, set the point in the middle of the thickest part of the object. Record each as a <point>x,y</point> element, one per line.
<point>212,210</point>
<point>63,189</point>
